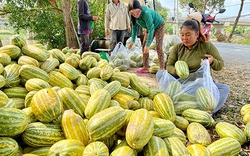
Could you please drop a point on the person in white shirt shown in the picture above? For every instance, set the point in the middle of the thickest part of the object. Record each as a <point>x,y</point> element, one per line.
<point>117,22</point>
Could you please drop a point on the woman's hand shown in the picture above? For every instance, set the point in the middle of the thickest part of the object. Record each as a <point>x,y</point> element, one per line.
<point>145,50</point>
<point>130,45</point>
<point>210,58</point>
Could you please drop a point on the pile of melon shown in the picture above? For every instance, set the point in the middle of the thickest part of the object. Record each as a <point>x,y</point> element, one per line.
<point>54,102</point>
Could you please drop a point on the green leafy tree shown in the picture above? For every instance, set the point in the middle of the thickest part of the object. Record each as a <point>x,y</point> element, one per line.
<point>203,6</point>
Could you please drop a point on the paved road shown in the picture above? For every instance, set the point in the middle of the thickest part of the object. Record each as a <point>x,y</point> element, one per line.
<point>234,54</point>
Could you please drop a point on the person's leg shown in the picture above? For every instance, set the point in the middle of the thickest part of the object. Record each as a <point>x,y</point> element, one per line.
<point>224,90</point>
<point>113,40</point>
<point>121,35</point>
<point>87,42</point>
<point>145,56</point>
<point>82,44</point>
<point>159,35</point>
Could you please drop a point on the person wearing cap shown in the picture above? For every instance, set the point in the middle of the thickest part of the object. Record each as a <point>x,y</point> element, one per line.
<point>193,49</point>
<point>116,22</point>
<point>154,24</point>
<point>84,19</point>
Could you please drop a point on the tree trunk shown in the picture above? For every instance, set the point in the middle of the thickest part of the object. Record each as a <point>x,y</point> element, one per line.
<point>69,26</point>
<point>1,44</point>
<point>236,21</point>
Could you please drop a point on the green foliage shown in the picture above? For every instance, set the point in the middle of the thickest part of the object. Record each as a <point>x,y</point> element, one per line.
<point>204,5</point>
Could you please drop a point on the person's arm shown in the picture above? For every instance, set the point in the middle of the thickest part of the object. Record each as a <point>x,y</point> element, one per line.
<point>172,58</point>
<point>134,32</point>
<point>218,62</point>
<point>81,14</point>
<point>107,20</point>
<point>128,20</point>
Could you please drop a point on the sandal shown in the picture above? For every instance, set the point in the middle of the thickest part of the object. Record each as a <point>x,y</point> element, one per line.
<point>142,71</point>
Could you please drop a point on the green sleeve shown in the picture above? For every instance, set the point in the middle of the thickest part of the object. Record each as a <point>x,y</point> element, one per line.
<point>218,62</point>
<point>172,58</point>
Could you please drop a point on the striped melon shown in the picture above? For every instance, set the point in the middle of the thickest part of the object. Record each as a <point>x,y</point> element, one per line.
<point>73,126</point>
<point>16,92</point>
<point>182,69</point>
<point>86,62</point>
<point>94,72</point>
<point>205,99</point>
<point>121,77</point>
<point>81,80</point>
<point>178,133</point>
<point>136,84</point>
<point>224,146</point>
<point>28,98</point>
<point>3,99</point>
<point>69,71</point>
<point>164,106</point>
<point>71,100</point>
<point>123,149</point>
<point>198,150</point>
<point>163,128</point>
<point>113,88</point>
<point>181,123</point>
<point>58,79</point>
<point>11,74</point>
<point>29,71</point>
<point>155,146</point>
<point>36,84</point>
<point>12,50</point>
<point>13,122</point>
<point>140,129</point>
<point>5,59</point>
<point>198,134</point>
<point>131,92</point>
<point>124,100</point>
<point>38,134</point>
<point>41,151</point>
<point>146,103</point>
<point>35,52</point>
<point>50,64</point>
<point>173,89</point>
<point>58,54</point>
<point>22,60</point>
<point>176,147</point>
<point>73,61</point>
<point>94,86</point>
<point>29,112</point>
<point>96,147</point>
<point>98,101</point>
<point>225,129</point>
<point>202,117</point>
<point>46,105</point>
<point>106,123</point>
<point>18,40</point>
<point>92,54</point>
<point>83,89</point>
<point>106,72</point>
<point>2,81</point>
<point>9,146</point>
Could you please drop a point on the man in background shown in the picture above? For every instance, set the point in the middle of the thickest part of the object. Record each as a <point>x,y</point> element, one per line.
<point>84,19</point>
<point>117,22</point>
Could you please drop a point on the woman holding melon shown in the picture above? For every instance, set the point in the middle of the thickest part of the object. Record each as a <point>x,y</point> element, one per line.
<point>193,50</point>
